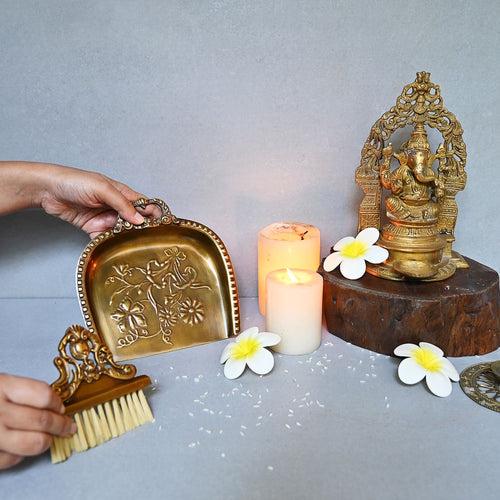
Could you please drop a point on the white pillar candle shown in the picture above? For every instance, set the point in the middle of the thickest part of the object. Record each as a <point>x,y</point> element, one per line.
<point>286,244</point>
<point>294,309</point>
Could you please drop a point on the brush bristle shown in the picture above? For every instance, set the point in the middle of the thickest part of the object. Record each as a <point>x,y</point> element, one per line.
<point>100,424</point>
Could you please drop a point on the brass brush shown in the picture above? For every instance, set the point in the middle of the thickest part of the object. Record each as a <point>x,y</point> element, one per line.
<point>105,399</point>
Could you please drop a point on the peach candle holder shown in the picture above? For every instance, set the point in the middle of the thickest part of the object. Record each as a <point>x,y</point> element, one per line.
<point>282,245</point>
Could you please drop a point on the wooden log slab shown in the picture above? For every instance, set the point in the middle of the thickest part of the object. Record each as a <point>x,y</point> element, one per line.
<point>460,314</point>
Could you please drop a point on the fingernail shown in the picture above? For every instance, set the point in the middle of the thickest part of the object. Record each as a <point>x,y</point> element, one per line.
<point>73,428</point>
<point>138,218</point>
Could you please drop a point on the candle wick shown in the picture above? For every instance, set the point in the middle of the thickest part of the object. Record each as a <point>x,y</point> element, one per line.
<point>303,234</point>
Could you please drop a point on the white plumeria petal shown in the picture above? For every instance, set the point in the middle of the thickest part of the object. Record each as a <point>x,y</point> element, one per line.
<point>267,339</point>
<point>410,372</point>
<point>250,332</point>
<point>353,269</point>
<point>234,368</point>
<point>405,349</point>
<point>449,370</point>
<point>342,243</point>
<point>438,383</point>
<point>261,362</point>
<point>376,254</point>
<point>436,350</point>
<point>369,235</point>
<point>249,349</point>
<point>226,353</point>
<point>332,261</point>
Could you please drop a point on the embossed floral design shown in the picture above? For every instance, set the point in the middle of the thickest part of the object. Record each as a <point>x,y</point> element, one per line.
<point>192,311</point>
<point>121,271</point>
<point>175,253</point>
<point>124,270</point>
<point>129,315</point>
<point>168,317</point>
<point>155,294</point>
<point>156,274</point>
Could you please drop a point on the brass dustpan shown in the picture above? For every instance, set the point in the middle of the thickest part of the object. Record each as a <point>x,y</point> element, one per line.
<point>165,284</point>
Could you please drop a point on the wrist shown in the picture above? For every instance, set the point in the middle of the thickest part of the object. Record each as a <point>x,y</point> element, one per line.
<point>42,177</point>
<point>24,184</point>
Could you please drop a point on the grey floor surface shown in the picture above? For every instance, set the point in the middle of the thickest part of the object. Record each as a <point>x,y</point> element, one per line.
<point>334,424</point>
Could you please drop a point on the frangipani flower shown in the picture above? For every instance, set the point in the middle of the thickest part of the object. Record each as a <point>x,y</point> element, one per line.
<point>426,360</point>
<point>351,254</point>
<point>249,349</point>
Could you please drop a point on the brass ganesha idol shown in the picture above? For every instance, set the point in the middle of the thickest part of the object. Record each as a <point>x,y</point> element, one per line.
<point>420,207</point>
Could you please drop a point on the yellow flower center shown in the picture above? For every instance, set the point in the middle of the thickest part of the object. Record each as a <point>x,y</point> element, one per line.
<point>427,359</point>
<point>354,249</point>
<point>245,348</point>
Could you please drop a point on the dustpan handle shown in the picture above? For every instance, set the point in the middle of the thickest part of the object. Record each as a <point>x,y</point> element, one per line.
<point>165,218</point>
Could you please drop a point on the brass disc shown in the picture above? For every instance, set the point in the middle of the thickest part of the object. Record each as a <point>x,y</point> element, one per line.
<point>481,384</point>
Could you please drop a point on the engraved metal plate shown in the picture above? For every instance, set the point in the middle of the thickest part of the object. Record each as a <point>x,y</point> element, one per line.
<point>482,385</point>
<point>163,285</point>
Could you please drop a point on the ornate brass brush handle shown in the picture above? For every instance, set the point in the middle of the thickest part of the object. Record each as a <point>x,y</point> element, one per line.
<point>83,357</point>
<point>105,399</point>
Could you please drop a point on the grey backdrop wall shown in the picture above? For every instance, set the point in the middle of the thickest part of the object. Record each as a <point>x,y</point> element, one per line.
<point>238,113</point>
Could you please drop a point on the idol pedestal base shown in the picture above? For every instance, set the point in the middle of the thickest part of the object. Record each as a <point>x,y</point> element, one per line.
<point>460,315</point>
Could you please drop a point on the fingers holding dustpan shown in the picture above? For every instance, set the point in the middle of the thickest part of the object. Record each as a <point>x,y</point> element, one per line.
<point>115,199</point>
<point>131,195</point>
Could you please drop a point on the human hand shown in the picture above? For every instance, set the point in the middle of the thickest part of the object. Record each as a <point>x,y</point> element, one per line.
<point>30,414</point>
<point>89,200</point>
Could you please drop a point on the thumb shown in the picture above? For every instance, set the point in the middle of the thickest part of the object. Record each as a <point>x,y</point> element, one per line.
<point>117,201</point>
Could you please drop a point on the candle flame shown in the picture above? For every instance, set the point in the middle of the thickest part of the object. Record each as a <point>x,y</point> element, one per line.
<point>291,276</point>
